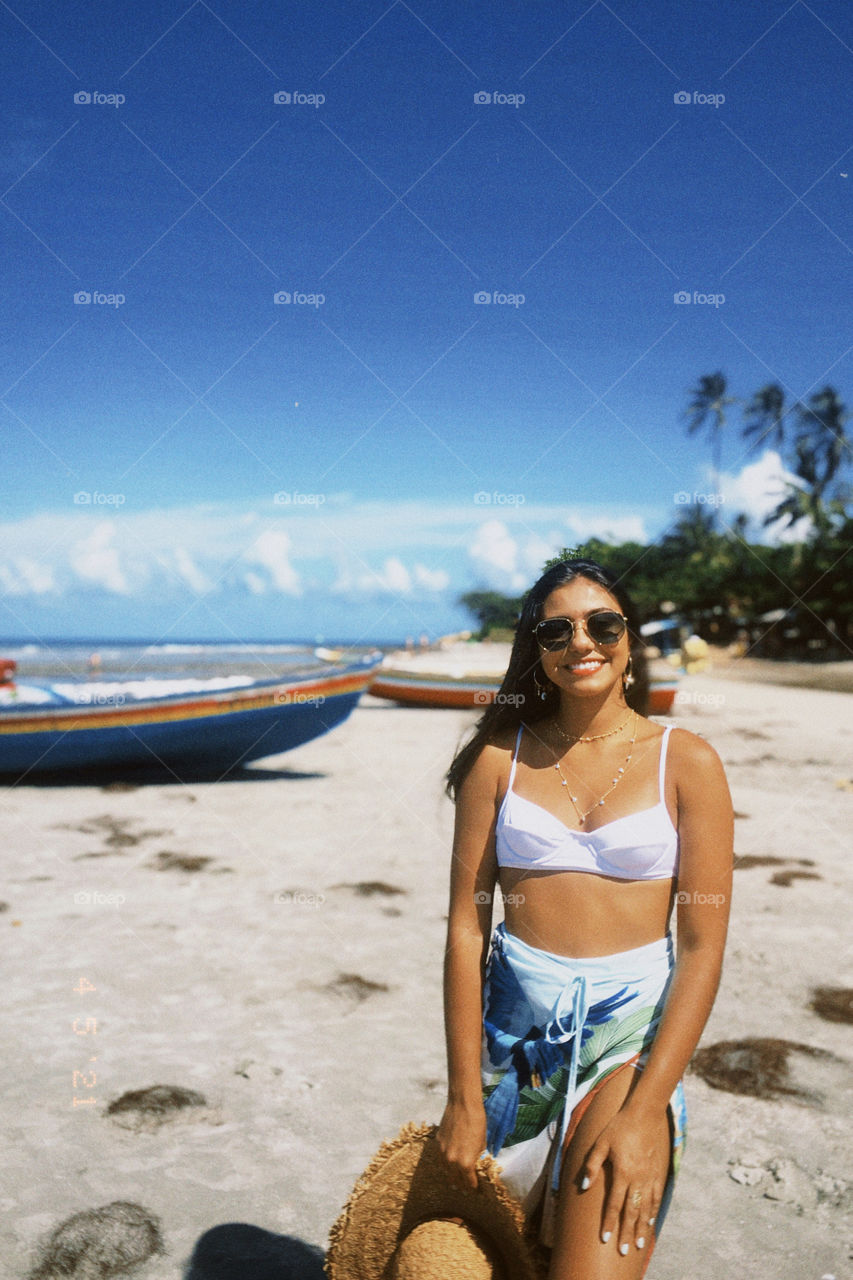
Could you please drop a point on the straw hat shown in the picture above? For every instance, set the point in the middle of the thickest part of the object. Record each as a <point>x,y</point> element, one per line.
<point>404,1220</point>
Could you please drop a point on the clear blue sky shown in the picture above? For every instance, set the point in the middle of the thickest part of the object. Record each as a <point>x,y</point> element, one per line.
<point>347,467</point>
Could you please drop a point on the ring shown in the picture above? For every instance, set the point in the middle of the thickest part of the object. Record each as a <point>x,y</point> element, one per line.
<point>636,1199</point>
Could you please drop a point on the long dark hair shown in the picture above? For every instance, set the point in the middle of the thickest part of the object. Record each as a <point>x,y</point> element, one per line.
<point>518,697</point>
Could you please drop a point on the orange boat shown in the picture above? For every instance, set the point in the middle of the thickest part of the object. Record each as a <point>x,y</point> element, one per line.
<point>433,688</point>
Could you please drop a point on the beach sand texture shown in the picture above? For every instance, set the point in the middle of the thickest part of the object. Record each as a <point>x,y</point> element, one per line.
<point>273,944</point>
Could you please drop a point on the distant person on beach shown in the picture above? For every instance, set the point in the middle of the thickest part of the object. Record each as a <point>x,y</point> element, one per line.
<point>568,1039</point>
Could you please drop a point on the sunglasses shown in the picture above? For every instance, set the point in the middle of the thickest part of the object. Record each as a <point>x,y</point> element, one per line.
<point>604,627</point>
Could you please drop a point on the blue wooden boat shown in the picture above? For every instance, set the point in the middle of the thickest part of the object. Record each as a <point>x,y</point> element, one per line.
<point>220,722</point>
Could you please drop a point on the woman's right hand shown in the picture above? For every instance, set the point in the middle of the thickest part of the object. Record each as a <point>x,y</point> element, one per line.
<point>461,1139</point>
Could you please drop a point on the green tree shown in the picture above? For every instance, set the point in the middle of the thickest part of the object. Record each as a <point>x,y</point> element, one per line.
<point>707,412</point>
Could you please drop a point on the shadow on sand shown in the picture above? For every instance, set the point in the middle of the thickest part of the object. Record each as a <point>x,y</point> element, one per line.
<point>238,1250</point>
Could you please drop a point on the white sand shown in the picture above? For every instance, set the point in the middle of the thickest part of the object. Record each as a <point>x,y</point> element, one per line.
<point>202,980</point>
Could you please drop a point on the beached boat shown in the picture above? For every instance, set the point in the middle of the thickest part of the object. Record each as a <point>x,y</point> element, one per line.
<point>218,722</point>
<point>452,679</point>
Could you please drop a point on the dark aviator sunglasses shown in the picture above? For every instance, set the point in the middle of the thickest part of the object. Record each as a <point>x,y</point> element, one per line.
<point>605,627</point>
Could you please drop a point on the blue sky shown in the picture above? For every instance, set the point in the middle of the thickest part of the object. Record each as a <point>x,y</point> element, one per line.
<point>186,457</point>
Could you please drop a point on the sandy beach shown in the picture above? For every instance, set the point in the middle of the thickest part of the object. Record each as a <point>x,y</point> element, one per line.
<point>274,944</point>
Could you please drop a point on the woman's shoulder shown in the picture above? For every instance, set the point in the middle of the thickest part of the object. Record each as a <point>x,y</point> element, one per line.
<point>494,759</point>
<point>691,756</point>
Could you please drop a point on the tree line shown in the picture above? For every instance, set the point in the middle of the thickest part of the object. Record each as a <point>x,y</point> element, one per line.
<point>791,598</point>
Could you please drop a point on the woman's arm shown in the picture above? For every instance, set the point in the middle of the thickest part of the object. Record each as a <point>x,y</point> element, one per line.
<point>705,829</point>
<point>462,1132</point>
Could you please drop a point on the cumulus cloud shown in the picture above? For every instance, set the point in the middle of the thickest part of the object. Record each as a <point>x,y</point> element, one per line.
<point>95,560</point>
<point>271,549</point>
<point>494,551</point>
<point>756,491</point>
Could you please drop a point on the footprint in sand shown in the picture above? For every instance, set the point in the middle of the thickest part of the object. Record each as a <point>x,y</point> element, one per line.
<point>110,1241</point>
<point>354,987</point>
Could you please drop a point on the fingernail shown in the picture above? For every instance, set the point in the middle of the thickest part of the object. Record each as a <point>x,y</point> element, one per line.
<point>651,1222</point>
<point>605,1236</point>
<point>623,1249</point>
<point>585,1184</point>
<point>641,1243</point>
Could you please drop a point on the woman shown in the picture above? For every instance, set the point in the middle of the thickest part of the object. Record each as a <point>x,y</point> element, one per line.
<point>594,820</point>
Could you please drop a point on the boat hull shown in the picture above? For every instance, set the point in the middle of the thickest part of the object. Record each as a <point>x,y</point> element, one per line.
<point>222,729</point>
<point>435,690</point>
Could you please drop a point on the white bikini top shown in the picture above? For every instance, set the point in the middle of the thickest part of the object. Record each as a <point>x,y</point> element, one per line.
<point>640,846</point>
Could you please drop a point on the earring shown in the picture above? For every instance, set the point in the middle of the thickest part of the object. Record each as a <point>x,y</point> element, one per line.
<point>628,676</point>
<point>541,689</point>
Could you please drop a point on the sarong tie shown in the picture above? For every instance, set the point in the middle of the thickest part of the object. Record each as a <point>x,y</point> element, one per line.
<point>574,1001</point>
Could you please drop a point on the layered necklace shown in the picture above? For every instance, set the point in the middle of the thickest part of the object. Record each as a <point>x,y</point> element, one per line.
<point>620,772</point>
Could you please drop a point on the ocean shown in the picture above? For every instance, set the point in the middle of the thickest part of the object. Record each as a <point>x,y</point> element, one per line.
<point>83,659</point>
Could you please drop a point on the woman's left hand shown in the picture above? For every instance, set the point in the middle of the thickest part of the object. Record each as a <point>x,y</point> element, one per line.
<point>629,1142</point>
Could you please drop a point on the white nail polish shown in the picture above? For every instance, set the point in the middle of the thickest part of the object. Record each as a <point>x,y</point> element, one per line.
<point>651,1222</point>
<point>641,1243</point>
<point>623,1249</point>
<point>585,1184</point>
<point>605,1236</point>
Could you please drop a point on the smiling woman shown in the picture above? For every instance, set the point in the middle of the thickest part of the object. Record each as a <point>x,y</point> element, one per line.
<point>589,817</point>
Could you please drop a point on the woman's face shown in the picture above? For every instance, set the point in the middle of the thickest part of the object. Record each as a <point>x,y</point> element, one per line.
<point>584,668</point>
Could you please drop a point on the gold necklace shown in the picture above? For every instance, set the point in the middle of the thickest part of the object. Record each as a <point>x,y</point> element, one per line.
<point>582,817</point>
<point>593,737</point>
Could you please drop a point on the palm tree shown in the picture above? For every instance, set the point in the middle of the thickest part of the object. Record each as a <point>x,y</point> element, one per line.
<point>765,416</point>
<point>707,411</point>
<point>822,447</point>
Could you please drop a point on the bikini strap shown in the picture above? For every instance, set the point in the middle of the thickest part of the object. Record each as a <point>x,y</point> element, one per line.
<point>514,758</point>
<point>662,771</point>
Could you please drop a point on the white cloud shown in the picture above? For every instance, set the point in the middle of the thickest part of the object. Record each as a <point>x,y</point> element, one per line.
<point>495,553</point>
<point>431,579</point>
<point>96,560</point>
<point>190,572</point>
<point>756,491</point>
<point>610,528</point>
<point>271,549</point>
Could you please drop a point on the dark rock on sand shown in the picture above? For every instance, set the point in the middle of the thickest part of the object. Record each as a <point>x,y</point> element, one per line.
<point>99,1243</point>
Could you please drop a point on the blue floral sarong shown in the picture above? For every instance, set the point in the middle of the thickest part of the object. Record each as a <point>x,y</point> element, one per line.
<point>554,1028</point>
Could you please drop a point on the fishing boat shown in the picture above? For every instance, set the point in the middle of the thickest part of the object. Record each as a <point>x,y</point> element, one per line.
<point>454,678</point>
<point>218,722</point>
